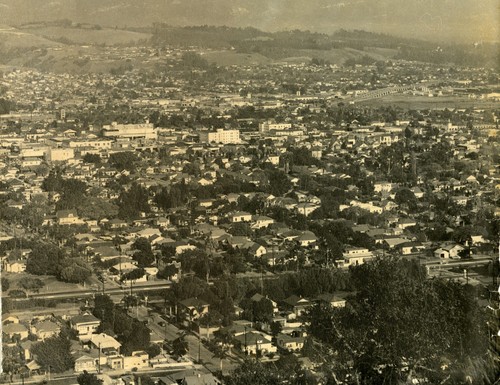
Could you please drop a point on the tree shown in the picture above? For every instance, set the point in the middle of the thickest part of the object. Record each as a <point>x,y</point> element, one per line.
<point>132,202</point>
<point>405,196</point>
<point>74,270</point>
<point>133,275</point>
<point>137,338</point>
<point>104,308</point>
<point>54,352</point>
<point>276,328</point>
<point>31,284</point>
<point>44,259</point>
<point>144,255</point>
<point>92,158</point>
<point>5,284</point>
<point>87,378</point>
<point>180,346</point>
<point>123,160</point>
<point>97,208</point>
<point>279,183</point>
<point>401,326</point>
<point>153,350</point>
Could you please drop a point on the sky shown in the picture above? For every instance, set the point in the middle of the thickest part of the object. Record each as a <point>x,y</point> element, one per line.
<point>440,20</point>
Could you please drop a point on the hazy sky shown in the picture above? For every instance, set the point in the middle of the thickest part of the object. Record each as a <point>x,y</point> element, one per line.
<point>459,20</point>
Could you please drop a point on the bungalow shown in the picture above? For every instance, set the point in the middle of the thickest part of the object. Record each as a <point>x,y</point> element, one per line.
<point>13,329</point>
<point>117,224</point>
<point>292,344</point>
<point>240,216</point>
<point>331,300</point>
<point>259,297</point>
<point>14,266</point>
<point>193,308</point>
<point>307,238</point>
<point>448,251</point>
<point>85,363</point>
<point>306,208</point>
<point>261,221</point>
<point>45,329</point>
<point>68,217</point>
<point>253,342</point>
<point>410,247</point>
<point>106,344</point>
<point>297,304</point>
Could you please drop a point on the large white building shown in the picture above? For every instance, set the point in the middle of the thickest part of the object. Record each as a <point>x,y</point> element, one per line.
<point>267,126</point>
<point>60,154</point>
<point>220,136</point>
<point>130,131</point>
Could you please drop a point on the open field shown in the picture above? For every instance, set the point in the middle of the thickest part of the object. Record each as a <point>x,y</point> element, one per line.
<point>424,102</point>
<point>15,38</point>
<point>104,36</point>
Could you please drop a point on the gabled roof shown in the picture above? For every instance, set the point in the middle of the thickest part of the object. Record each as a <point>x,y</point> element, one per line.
<point>84,318</point>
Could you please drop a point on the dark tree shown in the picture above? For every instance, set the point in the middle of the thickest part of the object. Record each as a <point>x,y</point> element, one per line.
<point>123,160</point>
<point>87,378</point>
<point>400,325</point>
<point>55,353</point>
<point>45,259</point>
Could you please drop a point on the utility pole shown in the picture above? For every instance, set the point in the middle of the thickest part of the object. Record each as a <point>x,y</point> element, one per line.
<point>99,360</point>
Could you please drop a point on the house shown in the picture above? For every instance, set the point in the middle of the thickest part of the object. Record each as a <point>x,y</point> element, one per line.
<point>138,359</point>
<point>296,304</point>
<point>14,266</point>
<point>193,308</point>
<point>448,251</point>
<point>307,238</point>
<point>355,256</point>
<point>85,324</point>
<point>45,329</point>
<point>85,363</point>
<point>68,217</point>
<point>306,208</point>
<point>331,300</point>
<point>261,221</point>
<point>15,329</point>
<point>9,319</point>
<point>411,247</point>
<point>240,216</point>
<point>292,344</point>
<point>253,342</point>
<point>106,344</point>
<point>257,250</point>
<point>259,297</point>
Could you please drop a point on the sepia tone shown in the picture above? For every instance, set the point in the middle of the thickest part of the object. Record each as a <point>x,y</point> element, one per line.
<point>249,192</point>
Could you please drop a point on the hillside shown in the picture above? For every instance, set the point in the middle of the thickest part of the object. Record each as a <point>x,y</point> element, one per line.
<point>443,21</point>
<point>85,34</point>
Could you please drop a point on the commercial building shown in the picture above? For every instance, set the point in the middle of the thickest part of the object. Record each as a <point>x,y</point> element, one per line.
<point>220,136</point>
<point>130,131</point>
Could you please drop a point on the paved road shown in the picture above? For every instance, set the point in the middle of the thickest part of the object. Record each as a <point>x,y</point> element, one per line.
<point>171,332</point>
<point>89,292</point>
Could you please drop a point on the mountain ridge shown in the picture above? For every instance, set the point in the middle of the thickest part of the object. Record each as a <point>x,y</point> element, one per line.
<point>446,20</point>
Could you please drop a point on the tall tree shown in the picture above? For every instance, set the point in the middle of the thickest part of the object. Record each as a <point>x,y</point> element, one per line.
<point>54,353</point>
<point>402,326</point>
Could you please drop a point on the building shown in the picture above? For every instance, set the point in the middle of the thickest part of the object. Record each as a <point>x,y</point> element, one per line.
<point>267,126</point>
<point>220,136</point>
<point>356,256</point>
<point>85,324</point>
<point>45,329</point>
<point>68,217</point>
<point>60,154</point>
<point>130,131</point>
